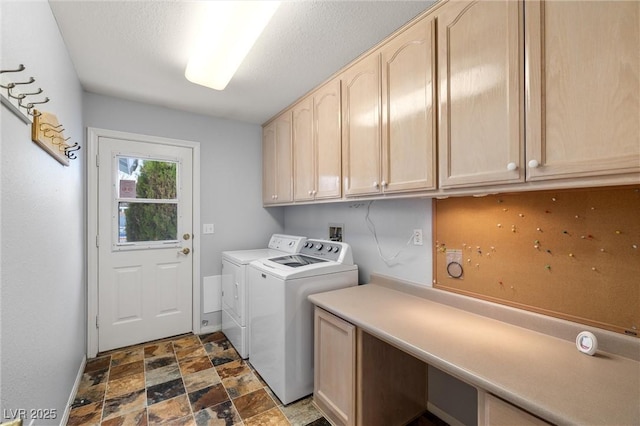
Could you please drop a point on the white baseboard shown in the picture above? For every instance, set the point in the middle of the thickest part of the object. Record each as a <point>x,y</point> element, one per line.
<point>74,391</point>
<point>443,415</point>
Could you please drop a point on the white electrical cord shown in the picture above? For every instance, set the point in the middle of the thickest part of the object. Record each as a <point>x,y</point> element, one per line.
<point>372,228</point>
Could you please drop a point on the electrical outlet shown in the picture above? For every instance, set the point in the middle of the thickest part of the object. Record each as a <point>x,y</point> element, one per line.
<point>417,237</point>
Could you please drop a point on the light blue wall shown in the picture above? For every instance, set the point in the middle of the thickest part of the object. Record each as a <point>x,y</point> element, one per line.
<point>42,288</point>
<point>231,172</point>
<point>394,221</point>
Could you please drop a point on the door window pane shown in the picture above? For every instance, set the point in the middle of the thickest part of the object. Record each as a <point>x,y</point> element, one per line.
<point>147,222</point>
<point>144,178</point>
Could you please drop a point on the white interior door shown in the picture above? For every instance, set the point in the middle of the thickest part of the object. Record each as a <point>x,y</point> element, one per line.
<point>145,241</point>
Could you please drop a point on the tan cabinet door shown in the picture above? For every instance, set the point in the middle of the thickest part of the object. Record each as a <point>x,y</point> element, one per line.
<point>328,141</point>
<point>480,63</point>
<point>493,411</point>
<point>408,109</point>
<point>335,368</point>
<point>277,174</point>
<point>303,151</point>
<point>583,81</point>
<point>361,127</point>
<point>269,163</point>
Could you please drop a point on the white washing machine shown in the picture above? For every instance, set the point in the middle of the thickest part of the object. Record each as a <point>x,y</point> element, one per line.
<point>281,317</point>
<point>235,300</point>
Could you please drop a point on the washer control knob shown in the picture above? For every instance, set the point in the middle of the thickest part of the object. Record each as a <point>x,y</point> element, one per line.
<point>319,246</point>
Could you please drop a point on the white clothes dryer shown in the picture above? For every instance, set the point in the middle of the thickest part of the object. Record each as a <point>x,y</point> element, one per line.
<point>281,317</point>
<point>235,319</point>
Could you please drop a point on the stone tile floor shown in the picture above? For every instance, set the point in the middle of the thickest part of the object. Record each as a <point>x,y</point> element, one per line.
<point>185,380</point>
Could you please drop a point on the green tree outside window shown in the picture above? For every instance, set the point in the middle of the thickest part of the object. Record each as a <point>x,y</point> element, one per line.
<point>154,222</point>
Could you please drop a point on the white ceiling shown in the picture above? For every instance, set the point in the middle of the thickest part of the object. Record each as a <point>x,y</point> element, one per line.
<point>138,50</point>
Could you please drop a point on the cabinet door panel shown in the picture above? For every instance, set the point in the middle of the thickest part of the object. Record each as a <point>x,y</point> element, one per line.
<point>408,99</point>
<point>480,64</point>
<point>269,163</point>
<point>303,158</point>
<point>583,81</point>
<point>335,367</point>
<point>328,145</point>
<point>284,175</point>
<point>493,411</point>
<point>361,127</point>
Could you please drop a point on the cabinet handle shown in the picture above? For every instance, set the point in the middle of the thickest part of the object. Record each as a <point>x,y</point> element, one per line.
<point>512,166</point>
<point>533,164</point>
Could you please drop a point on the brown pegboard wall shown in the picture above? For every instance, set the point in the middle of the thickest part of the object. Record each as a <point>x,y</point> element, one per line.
<point>571,254</point>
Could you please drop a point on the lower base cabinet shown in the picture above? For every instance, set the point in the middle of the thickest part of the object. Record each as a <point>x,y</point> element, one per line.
<point>496,412</point>
<point>334,390</point>
<point>361,380</point>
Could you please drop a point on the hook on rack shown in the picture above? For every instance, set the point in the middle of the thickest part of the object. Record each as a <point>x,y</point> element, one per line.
<point>69,151</point>
<point>58,131</point>
<point>20,69</point>
<point>30,106</point>
<point>62,141</point>
<point>51,127</point>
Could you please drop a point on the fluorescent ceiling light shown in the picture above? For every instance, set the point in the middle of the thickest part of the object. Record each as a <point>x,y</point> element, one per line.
<point>227,32</point>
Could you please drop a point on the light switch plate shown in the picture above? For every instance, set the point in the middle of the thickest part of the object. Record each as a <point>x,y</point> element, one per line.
<point>207,228</point>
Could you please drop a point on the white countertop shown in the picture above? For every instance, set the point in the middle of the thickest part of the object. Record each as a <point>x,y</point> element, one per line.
<point>540,373</point>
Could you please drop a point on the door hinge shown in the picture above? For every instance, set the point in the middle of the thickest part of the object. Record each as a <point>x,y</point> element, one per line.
<point>97,240</point>
<point>97,322</point>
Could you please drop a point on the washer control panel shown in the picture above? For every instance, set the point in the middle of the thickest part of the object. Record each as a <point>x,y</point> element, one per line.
<point>329,250</point>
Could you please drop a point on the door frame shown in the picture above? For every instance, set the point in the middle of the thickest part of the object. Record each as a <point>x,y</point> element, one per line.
<point>93,135</point>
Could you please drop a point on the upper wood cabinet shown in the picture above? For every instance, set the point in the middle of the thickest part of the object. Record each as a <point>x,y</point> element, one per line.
<point>480,83</point>
<point>277,177</point>
<point>388,127</point>
<point>317,145</point>
<point>500,94</point>
<point>361,127</point>
<point>583,88</point>
<point>408,109</point>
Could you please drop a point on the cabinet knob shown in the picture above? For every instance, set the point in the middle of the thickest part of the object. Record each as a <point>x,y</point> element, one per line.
<point>533,164</point>
<point>314,192</point>
<point>375,184</point>
<point>384,184</point>
<point>512,166</point>
<point>275,197</point>
<point>310,192</point>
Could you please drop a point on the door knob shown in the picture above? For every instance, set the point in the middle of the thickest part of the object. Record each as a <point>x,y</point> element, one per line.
<point>186,236</point>
<point>185,250</point>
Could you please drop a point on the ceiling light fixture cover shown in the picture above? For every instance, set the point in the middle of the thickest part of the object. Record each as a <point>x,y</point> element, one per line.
<point>227,32</point>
